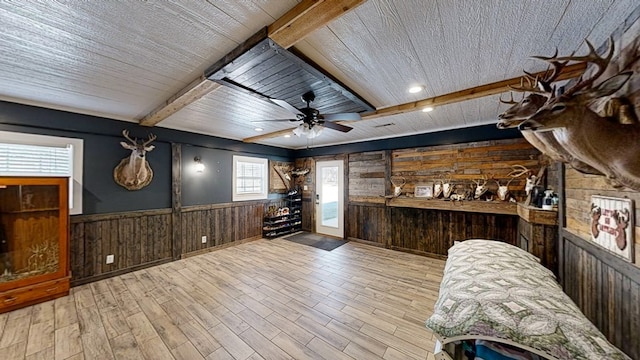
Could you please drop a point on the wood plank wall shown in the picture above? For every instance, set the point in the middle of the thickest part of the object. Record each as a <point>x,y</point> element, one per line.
<point>221,224</point>
<point>433,232</point>
<point>423,231</point>
<point>605,287</point>
<point>578,191</point>
<point>136,239</point>
<point>466,163</point>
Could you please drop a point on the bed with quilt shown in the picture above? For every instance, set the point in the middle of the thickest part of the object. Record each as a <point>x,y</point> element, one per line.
<point>497,302</point>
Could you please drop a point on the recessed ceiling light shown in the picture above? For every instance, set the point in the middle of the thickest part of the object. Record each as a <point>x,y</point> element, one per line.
<point>258,129</point>
<point>287,135</point>
<point>427,109</point>
<point>415,89</point>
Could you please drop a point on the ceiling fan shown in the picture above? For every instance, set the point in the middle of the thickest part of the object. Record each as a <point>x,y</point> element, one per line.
<point>312,120</point>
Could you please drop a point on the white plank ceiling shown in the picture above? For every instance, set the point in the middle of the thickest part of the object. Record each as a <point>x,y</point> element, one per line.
<point>122,59</point>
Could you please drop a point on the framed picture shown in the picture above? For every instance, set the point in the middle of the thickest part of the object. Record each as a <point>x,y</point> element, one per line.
<point>612,225</point>
<point>424,191</point>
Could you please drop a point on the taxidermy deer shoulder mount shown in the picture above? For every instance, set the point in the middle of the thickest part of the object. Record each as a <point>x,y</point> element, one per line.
<point>134,172</point>
<point>608,144</point>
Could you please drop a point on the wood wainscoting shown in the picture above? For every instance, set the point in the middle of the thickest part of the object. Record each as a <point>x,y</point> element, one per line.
<point>605,287</point>
<point>425,231</point>
<point>222,224</point>
<point>368,223</point>
<point>137,239</point>
<point>140,239</point>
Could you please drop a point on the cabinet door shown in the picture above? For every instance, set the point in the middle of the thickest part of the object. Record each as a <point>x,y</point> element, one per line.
<point>33,230</point>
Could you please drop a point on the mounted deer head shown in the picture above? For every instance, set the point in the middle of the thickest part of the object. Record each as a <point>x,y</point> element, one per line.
<point>437,188</point>
<point>516,172</point>
<point>134,172</point>
<point>601,142</point>
<point>447,187</point>
<point>481,189</point>
<point>540,90</point>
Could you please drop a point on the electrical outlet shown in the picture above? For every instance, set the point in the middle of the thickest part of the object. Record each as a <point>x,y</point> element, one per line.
<point>109,259</point>
<point>305,188</point>
<point>204,239</point>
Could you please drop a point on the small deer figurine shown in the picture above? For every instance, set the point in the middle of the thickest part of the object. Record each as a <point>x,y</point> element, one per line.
<point>134,172</point>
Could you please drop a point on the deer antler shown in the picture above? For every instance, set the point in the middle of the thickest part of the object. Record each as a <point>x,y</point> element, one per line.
<point>508,102</point>
<point>601,63</point>
<point>150,140</point>
<point>518,170</point>
<point>125,133</point>
<point>530,85</point>
<point>551,75</point>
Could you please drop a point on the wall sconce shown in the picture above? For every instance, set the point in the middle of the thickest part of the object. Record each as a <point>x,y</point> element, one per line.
<point>199,166</point>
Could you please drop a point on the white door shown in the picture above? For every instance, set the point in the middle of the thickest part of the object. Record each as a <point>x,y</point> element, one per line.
<point>330,198</point>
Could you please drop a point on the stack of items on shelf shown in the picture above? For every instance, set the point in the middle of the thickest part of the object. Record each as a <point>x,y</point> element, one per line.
<point>285,219</point>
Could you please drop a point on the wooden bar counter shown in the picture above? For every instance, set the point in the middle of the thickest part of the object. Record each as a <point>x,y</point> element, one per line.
<point>537,229</point>
<point>478,206</point>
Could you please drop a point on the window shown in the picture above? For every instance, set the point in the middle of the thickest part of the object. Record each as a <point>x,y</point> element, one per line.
<point>250,178</point>
<point>41,155</point>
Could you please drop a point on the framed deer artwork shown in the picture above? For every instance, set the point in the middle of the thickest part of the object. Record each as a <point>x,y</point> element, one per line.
<point>612,225</point>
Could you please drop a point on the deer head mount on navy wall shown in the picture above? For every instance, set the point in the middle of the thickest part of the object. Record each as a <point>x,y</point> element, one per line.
<point>134,172</point>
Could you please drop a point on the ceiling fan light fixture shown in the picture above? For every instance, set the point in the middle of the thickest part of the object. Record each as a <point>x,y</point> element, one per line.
<point>427,109</point>
<point>309,132</point>
<point>416,89</point>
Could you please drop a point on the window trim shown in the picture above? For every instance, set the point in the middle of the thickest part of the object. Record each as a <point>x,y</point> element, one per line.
<point>77,146</point>
<point>264,193</point>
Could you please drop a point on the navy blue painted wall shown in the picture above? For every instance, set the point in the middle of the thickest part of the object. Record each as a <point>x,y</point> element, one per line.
<point>102,152</point>
<point>212,186</point>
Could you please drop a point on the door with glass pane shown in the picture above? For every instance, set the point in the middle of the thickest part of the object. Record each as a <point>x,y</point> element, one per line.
<point>330,198</point>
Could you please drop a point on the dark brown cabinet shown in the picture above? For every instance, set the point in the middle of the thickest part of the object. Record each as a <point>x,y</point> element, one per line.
<point>34,240</point>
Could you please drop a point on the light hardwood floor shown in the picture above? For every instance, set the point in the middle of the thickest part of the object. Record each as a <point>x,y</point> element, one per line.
<point>267,299</point>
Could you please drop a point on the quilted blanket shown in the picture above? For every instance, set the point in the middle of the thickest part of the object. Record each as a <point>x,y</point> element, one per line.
<point>495,291</point>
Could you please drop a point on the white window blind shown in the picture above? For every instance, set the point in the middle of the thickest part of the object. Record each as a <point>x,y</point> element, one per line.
<point>35,160</point>
<point>43,155</point>
<point>250,178</point>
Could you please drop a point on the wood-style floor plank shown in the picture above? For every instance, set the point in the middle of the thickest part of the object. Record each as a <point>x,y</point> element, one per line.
<point>267,299</point>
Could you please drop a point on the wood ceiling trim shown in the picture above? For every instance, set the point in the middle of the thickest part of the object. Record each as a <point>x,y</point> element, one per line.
<point>192,92</point>
<point>494,88</point>
<point>299,22</point>
<point>306,17</point>
<point>268,136</point>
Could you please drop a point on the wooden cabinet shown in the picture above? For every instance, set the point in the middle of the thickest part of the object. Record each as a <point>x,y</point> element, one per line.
<point>34,240</point>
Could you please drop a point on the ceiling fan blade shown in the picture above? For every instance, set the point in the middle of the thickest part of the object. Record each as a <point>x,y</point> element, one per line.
<point>255,121</point>
<point>336,126</point>
<point>286,105</point>
<point>342,116</point>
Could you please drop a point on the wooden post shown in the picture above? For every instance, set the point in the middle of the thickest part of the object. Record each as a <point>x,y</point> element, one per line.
<point>176,200</point>
<point>387,191</point>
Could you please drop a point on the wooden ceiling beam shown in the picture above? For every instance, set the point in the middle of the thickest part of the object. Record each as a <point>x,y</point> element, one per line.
<point>306,17</point>
<point>292,27</point>
<point>494,88</point>
<point>192,92</point>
